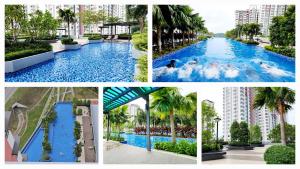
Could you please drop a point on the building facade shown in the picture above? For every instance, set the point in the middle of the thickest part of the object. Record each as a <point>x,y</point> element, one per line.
<point>238,106</point>
<point>261,14</point>
<point>77,29</point>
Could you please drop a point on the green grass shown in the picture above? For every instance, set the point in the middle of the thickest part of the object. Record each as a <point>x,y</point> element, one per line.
<point>85,93</point>
<point>33,118</point>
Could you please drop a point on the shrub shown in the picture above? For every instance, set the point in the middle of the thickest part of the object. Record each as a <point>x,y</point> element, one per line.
<point>124,36</point>
<point>95,37</point>
<point>287,51</point>
<point>292,145</point>
<point>202,37</point>
<point>116,138</point>
<point>211,147</point>
<point>140,41</point>
<point>18,50</point>
<point>78,150</point>
<point>143,66</point>
<point>181,147</point>
<point>279,154</point>
<point>68,41</point>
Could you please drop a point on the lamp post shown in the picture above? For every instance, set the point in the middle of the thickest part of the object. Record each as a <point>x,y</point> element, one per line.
<point>217,119</point>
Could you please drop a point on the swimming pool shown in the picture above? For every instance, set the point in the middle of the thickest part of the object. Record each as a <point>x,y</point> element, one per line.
<point>98,62</point>
<point>61,137</point>
<point>140,140</point>
<point>224,60</point>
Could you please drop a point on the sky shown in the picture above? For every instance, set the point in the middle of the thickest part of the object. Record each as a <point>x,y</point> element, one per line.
<point>215,94</point>
<point>141,102</point>
<point>219,18</point>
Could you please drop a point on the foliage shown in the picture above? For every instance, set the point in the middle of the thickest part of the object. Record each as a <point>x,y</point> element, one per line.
<point>116,138</point>
<point>14,19</point>
<point>255,134</point>
<point>77,130</point>
<point>140,41</point>
<point>168,18</point>
<point>169,101</point>
<point>119,117</point>
<point>282,29</point>
<point>279,99</point>
<point>90,17</point>
<point>78,149</point>
<point>68,16</point>
<point>138,13</point>
<point>182,147</point>
<point>143,69</point>
<point>68,41</point>
<point>18,50</point>
<point>239,134</point>
<point>181,131</point>
<point>208,122</point>
<point>279,154</point>
<point>98,37</point>
<point>211,147</point>
<point>287,51</point>
<point>274,134</point>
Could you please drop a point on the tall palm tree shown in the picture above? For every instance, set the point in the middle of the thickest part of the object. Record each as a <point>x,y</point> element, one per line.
<point>137,12</point>
<point>68,16</point>
<point>119,116</point>
<point>169,100</point>
<point>158,23</point>
<point>277,99</point>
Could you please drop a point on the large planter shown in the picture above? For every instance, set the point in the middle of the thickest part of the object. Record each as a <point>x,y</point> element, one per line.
<point>230,147</point>
<point>95,41</point>
<point>71,47</point>
<point>18,64</point>
<point>213,155</point>
<point>257,145</point>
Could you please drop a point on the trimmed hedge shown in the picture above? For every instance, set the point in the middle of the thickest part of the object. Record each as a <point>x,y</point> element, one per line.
<point>181,147</point>
<point>20,50</point>
<point>282,50</point>
<point>68,41</point>
<point>116,138</point>
<point>140,41</point>
<point>211,147</point>
<point>280,154</point>
<point>249,42</point>
<point>95,37</point>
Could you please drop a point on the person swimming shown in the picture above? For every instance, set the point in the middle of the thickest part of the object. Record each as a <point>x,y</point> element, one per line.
<point>172,64</point>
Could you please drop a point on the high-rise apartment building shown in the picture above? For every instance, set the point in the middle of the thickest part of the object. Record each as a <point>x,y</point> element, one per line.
<point>238,106</point>
<point>77,29</point>
<point>262,15</point>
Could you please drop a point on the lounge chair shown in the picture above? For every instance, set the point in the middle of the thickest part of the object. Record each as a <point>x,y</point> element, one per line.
<point>108,38</point>
<point>116,37</point>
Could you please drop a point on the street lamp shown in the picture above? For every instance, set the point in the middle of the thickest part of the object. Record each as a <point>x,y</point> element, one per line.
<point>217,119</point>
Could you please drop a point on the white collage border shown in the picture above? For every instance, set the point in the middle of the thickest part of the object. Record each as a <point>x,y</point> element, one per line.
<point>195,85</point>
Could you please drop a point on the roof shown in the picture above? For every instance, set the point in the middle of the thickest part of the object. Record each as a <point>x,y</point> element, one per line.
<point>114,97</point>
<point>121,24</point>
<point>8,152</point>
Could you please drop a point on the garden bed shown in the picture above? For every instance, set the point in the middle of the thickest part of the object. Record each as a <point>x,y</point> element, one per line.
<point>213,155</point>
<point>18,64</point>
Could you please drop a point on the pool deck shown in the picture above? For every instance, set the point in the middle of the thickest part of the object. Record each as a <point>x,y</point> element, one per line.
<point>117,153</point>
<point>89,148</point>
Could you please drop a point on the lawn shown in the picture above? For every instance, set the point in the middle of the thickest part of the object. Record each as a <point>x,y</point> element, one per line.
<point>33,118</point>
<point>85,93</point>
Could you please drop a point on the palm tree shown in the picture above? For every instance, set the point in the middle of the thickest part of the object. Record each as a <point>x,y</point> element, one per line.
<point>68,16</point>
<point>158,23</point>
<point>169,100</point>
<point>239,29</point>
<point>137,12</point>
<point>254,29</point>
<point>277,99</point>
<point>119,116</point>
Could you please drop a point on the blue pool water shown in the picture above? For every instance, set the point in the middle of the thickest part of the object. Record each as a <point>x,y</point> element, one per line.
<point>224,60</point>
<point>140,140</point>
<point>99,62</point>
<point>61,137</point>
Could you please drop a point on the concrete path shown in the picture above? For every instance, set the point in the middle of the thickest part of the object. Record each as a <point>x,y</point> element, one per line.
<point>116,153</point>
<point>9,91</point>
<point>242,157</point>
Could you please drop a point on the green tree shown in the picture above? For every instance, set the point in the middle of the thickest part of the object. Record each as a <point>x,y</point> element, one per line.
<point>251,29</point>
<point>279,99</point>
<point>235,132</point>
<point>274,134</point>
<point>255,134</point>
<point>34,24</point>
<point>14,19</point>
<point>208,123</point>
<point>244,133</point>
<point>139,13</point>
<point>89,17</point>
<point>169,100</point>
<point>119,116</point>
<point>49,24</point>
<point>67,15</point>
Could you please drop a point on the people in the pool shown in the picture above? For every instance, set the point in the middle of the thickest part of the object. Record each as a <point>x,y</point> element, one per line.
<point>172,64</point>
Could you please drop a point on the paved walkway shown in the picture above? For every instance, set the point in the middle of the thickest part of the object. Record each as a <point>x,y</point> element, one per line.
<point>242,157</point>
<point>116,153</point>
